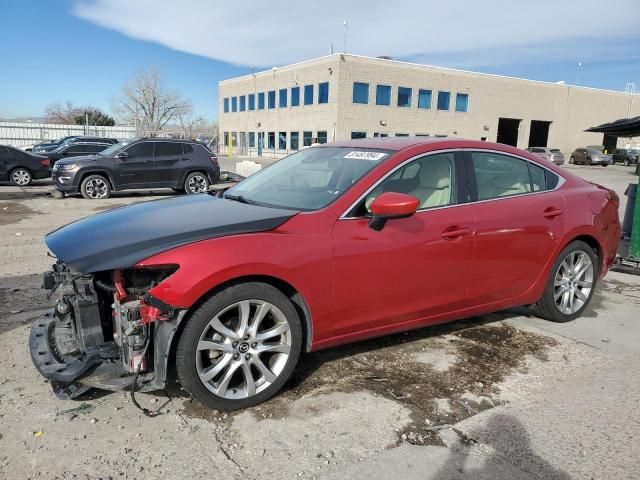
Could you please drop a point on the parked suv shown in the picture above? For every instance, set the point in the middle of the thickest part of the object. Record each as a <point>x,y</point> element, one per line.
<point>48,147</point>
<point>20,167</point>
<point>626,156</point>
<point>77,149</point>
<point>183,165</point>
<point>589,156</point>
<point>552,154</point>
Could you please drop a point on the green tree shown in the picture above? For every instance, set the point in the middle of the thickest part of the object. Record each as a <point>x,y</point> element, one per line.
<point>95,117</point>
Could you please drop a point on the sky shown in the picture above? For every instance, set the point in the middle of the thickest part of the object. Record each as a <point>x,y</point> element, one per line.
<point>84,50</point>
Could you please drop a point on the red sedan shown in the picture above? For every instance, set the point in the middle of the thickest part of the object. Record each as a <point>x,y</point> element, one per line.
<point>330,245</point>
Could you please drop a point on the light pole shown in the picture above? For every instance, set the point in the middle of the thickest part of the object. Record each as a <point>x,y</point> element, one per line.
<point>578,71</point>
<point>345,36</point>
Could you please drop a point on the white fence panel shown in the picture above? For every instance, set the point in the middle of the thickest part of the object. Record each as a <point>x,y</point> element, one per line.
<point>19,134</point>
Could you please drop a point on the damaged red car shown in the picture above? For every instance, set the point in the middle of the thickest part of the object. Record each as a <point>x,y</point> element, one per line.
<point>333,244</point>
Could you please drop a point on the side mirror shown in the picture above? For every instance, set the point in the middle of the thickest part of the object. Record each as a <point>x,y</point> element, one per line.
<point>122,155</point>
<point>390,205</point>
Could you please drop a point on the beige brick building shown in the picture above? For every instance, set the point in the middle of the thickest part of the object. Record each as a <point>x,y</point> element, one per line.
<point>343,96</point>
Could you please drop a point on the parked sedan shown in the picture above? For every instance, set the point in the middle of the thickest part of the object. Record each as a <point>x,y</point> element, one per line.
<point>20,167</point>
<point>551,154</point>
<point>590,156</point>
<point>183,165</point>
<point>77,149</point>
<point>50,146</point>
<point>289,261</point>
<point>627,156</point>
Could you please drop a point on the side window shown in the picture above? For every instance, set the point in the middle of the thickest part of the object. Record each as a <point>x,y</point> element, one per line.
<point>77,149</point>
<point>95,148</point>
<point>502,176</point>
<point>431,179</point>
<point>168,149</point>
<point>187,148</point>
<point>142,149</point>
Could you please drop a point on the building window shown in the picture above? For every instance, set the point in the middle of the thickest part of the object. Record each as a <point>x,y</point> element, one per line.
<point>355,135</point>
<point>243,103</point>
<point>360,92</point>
<point>323,92</point>
<point>252,137</point>
<point>322,137</point>
<point>404,97</point>
<point>271,140</point>
<point>225,139</point>
<point>402,134</point>
<point>226,105</point>
<point>424,99</point>
<point>252,101</point>
<point>261,101</point>
<point>295,96</point>
<point>295,140</point>
<point>308,94</point>
<point>380,135</point>
<point>283,98</point>
<point>383,95</point>
<point>272,99</point>
<point>234,139</point>
<point>282,140</point>
<point>443,100</point>
<point>307,139</point>
<point>234,104</point>
<point>462,102</point>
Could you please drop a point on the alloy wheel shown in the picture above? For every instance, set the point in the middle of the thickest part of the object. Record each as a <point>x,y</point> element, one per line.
<point>96,188</point>
<point>197,184</point>
<point>243,349</point>
<point>573,282</point>
<point>21,177</point>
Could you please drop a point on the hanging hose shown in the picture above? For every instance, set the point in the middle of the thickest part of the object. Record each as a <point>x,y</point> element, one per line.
<point>144,410</point>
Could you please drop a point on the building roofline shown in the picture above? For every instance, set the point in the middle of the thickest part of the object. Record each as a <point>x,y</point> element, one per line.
<point>423,65</point>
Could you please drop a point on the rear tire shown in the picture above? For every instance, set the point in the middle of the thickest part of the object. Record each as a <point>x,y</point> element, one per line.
<point>572,160</point>
<point>626,162</point>
<point>21,177</point>
<point>219,357</point>
<point>569,290</point>
<point>95,187</point>
<point>196,182</point>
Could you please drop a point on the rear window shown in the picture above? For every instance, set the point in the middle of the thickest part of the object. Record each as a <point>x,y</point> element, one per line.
<point>168,148</point>
<point>555,150</point>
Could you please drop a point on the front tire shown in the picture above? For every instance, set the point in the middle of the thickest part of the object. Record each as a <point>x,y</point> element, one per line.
<point>239,347</point>
<point>196,182</point>
<point>21,177</point>
<point>95,187</point>
<point>570,285</point>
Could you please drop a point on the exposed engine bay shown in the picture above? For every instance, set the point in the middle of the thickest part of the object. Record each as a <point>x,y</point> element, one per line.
<point>105,331</point>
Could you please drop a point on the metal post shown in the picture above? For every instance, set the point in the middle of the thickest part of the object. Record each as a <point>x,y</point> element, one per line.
<point>634,246</point>
<point>345,36</point>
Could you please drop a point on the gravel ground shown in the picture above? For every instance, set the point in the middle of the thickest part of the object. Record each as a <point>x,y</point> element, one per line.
<point>499,396</point>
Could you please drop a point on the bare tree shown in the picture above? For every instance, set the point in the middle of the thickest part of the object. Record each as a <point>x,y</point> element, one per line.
<point>61,113</point>
<point>192,124</point>
<point>146,101</point>
<point>70,114</point>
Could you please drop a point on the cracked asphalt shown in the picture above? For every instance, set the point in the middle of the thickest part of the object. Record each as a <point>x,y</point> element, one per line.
<point>502,396</point>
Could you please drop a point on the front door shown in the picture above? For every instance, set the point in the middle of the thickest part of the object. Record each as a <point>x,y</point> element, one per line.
<point>414,267</point>
<point>519,221</point>
<point>137,167</point>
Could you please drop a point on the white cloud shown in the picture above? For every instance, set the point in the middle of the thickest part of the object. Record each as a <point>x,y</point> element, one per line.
<point>277,32</point>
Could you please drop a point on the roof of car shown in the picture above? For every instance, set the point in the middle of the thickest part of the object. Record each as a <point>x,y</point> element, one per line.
<point>401,143</point>
<point>164,139</point>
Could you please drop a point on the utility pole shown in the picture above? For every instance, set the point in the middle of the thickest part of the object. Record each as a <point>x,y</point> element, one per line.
<point>345,36</point>
<point>86,123</point>
<point>630,88</point>
<point>578,71</point>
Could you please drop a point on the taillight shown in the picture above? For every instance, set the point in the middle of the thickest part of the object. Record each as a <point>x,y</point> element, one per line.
<point>46,162</point>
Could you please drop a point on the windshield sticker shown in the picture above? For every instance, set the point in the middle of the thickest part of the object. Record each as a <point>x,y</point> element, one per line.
<point>373,156</point>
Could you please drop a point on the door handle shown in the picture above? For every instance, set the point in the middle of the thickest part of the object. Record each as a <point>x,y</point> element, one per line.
<point>452,233</point>
<point>552,212</point>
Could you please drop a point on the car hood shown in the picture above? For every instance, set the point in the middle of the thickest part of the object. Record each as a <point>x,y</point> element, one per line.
<point>78,159</point>
<point>122,237</point>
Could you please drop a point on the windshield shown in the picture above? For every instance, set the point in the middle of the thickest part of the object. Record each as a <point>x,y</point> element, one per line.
<point>310,179</point>
<point>634,151</point>
<point>113,149</point>
<point>594,152</point>
<point>555,150</point>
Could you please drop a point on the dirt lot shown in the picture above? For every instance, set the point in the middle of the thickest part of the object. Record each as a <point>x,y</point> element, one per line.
<point>505,395</point>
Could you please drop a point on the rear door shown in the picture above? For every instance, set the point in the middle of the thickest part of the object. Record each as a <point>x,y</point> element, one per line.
<point>519,220</point>
<point>5,162</point>
<point>137,168</point>
<point>170,162</point>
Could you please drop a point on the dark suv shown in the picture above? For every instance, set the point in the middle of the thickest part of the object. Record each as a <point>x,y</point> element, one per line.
<point>50,146</point>
<point>78,149</point>
<point>183,165</point>
<point>626,156</point>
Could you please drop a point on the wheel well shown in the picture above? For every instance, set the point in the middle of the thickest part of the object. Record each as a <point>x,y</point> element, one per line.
<point>102,174</point>
<point>23,168</point>
<point>593,243</point>
<point>292,294</point>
